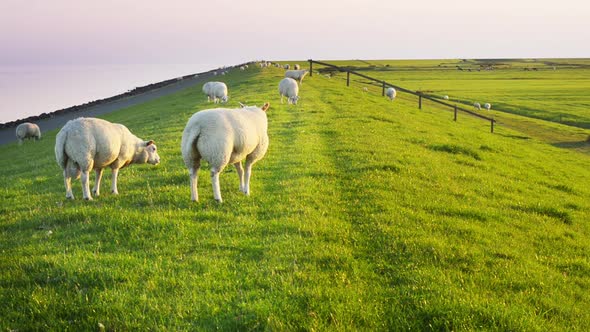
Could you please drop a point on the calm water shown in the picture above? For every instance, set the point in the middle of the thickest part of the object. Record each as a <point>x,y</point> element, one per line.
<point>32,90</point>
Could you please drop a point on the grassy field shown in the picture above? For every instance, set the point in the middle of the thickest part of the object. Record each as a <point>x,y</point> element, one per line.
<point>364,215</point>
<point>557,90</point>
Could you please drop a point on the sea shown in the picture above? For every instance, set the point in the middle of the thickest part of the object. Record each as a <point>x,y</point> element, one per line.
<point>27,90</point>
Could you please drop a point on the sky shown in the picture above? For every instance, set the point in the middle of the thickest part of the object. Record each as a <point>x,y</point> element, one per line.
<point>61,32</point>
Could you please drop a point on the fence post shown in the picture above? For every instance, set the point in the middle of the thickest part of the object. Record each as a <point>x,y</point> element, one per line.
<point>420,101</point>
<point>310,68</point>
<point>455,119</point>
<point>347,78</point>
<point>492,126</point>
<point>383,91</point>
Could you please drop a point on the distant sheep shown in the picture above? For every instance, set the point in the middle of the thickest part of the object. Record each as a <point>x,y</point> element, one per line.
<point>477,106</point>
<point>365,89</point>
<point>222,137</point>
<point>288,88</point>
<point>297,75</point>
<point>27,130</point>
<point>287,67</point>
<point>445,97</point>
<point>390,93</point>
<point>242,68</point>
<point>216,91</point>
<point>487,106</point>
<point>85,144</point>
<point>296,67</point>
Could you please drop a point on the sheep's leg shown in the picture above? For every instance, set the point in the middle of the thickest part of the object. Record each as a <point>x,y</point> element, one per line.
<point>249,164</point>
<point>194,176</point>
<point>68,184</point>
<point>86,185</point>
<point>96,189</point>
<point>281,98</point>
<point>240,170</point>
<point>215,183</point>
<point>114,175</point>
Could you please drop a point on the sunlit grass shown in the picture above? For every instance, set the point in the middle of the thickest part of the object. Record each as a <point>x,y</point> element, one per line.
<point>364,215</point>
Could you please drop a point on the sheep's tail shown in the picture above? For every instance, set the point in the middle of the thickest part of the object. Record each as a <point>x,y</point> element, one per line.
<point>60,149</point>
<point>190,136</point>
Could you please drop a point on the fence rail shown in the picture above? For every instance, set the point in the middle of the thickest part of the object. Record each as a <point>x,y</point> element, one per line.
<point>385,84</point>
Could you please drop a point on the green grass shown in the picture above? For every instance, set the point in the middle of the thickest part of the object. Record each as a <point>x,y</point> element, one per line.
<point>364,215</point>
<point>559,95</point>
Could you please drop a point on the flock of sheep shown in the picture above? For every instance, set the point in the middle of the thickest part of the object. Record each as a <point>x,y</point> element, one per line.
<point>220,136</point>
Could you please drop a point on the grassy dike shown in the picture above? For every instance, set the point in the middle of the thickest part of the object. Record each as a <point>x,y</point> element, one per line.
<point>364,215</point>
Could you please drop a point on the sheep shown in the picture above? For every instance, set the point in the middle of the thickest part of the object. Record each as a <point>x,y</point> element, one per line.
<point>297,75</point>
<point>391,93</point>
<point>287,67</point>
<point>477,106</point>
<point>85,144</point>
<point>27,130</point>
<point>445,97</point>
<point>242,68</point>
<point>222,137</point>
<point>296,67</point>
<point>216,91</point>
<point>365,89</point>
<point>487,106</point>
<point>288,88</point>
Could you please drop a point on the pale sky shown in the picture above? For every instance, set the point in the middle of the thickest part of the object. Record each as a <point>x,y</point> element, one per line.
<point>214,31</point>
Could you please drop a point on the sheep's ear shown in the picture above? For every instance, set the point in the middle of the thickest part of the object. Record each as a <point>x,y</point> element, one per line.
<point>265,107</point>
<point>150,142</point>
<point>242,105</point>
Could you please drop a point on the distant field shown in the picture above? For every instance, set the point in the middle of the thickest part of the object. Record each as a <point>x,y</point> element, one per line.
<point>550,89</point>
<point>366,215</point>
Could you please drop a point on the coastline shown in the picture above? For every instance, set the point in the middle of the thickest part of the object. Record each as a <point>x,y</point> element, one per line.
<point>139,95</point>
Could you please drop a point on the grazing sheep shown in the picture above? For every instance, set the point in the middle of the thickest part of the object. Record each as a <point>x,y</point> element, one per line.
<point>297,75</point>
<point>216,91</point>
<point>390,93</point>
<point>477,106</point>
<point>242,68</point>
<point>487,106</point>
<point>445,97</point>
<point>27,130</point>
<point>288,88</point>
<point>296,67</point>
<point>85,144</point>
<point>287,67</point>
<point>222,137</point>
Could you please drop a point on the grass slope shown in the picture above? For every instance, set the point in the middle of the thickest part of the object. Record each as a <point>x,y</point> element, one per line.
<point>365,214</point>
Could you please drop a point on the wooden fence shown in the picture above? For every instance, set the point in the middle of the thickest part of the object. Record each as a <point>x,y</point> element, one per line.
<point>384,86</point>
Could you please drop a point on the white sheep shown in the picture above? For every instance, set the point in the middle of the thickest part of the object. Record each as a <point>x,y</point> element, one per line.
<point>86,144</point>
<point>297,75</point>
<point>390,93</point>
<point>27,130</point>
<point>445,97</point>
<point>222,137</point>
<point>296,67</point>
<point>288,88</point>
<point>287,67</point>
<point>477,106</point>
<point>487,106</point>
<point>242,68</point>
<point>216,91</point>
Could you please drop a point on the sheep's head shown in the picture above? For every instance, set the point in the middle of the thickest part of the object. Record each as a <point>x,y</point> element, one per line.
<point>224,99</point>
<point>294,100</point>
<point>264,108</point>
<point>152,153</point>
